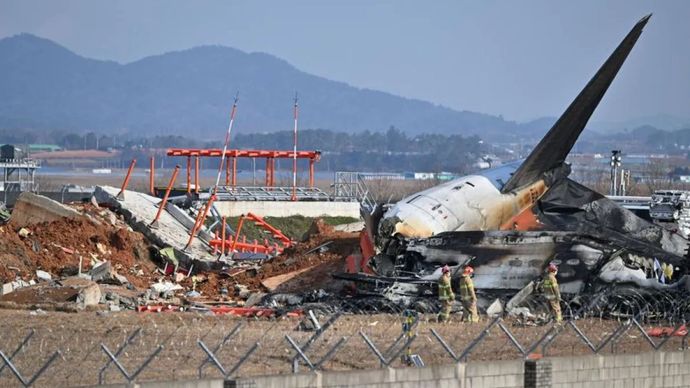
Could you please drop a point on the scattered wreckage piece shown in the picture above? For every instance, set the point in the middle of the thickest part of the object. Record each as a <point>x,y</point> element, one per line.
<point>274,282</point>
<point>159,308</point>
<point>71,294</point>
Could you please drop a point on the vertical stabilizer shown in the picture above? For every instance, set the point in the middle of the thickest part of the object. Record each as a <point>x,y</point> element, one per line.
<point>552,150</point>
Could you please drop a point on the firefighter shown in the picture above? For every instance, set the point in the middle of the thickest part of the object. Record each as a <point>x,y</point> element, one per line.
<point>552,292</point>
<point>468,296</point>
<point>668,272</point>
<point>445,294</point>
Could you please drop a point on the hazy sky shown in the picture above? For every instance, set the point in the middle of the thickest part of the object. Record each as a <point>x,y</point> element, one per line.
<point>521,59</point>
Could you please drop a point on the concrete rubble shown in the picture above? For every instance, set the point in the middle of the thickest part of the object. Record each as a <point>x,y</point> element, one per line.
<point>31,209</point>
<point>139,210</point>
<point>103,255</point>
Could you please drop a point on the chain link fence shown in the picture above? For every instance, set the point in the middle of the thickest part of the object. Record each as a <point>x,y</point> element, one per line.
<point>69,350</point>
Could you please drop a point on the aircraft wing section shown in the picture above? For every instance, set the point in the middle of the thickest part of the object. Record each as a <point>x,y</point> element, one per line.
<point>572,207</point>
<point>555,146</point>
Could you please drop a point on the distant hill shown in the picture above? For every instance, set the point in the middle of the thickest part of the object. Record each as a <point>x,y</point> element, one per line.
<point>45,87</point>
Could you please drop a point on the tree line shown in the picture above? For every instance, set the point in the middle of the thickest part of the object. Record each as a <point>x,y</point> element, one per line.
<point>392,150</point>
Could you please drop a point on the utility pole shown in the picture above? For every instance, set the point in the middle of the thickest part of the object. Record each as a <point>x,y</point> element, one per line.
<point>254,172</point>
<point>616,158</point>
<point>294,156</point>
<point>228,134</point>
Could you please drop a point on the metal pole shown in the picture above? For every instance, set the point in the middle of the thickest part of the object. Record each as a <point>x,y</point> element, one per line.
<point>237,234</point>
<point>196,174</point>
<point>294,155</point>
<point>222,237</point>
<point>234,170</point>
<point>211,356</point>
<point>225,145</point>
<point>253,171</point>
<point>189,174</point>
<point>121,195</point>
<point>311,173</point>
<point>445,345</point>
<point>227,172</point>
<point>161,205</point>
<point>152,174</point>
<point>201,221</point>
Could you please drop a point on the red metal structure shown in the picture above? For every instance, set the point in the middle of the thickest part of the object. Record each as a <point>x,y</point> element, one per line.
<point>235,244</point>
<point>231,166</point>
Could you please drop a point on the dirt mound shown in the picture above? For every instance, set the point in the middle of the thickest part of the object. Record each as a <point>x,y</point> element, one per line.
<point>56,247</point>
<point>298,257</point>
<point>318,228</point>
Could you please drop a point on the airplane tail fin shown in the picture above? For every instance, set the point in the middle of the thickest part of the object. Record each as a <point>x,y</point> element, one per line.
<point>555,146</point>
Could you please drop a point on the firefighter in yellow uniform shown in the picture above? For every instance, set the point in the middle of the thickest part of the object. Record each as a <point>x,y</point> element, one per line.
<point>445,294</point>
<point>468,296</point>
<point>552,292</point>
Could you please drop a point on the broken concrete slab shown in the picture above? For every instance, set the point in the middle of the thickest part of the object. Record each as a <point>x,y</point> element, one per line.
<point>58,294</point>
<point>15,285</point>
<point>32,209</point>
<point>165,287</point>
<point>495,309</point>
<point>254,299</point>
<point>352,227</point>
<point>139,209</point>
<point>89,295</point>
<point>520,297</point>
<point>43,275</point>
<point>103,273</point>
<point>121,296</point>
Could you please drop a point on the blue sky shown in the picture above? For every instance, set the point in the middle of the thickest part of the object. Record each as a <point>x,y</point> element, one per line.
<point>520,59</point>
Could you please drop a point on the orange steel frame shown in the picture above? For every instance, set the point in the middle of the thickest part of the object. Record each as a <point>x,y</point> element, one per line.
<point>240,244</point>
<point>231,170</point>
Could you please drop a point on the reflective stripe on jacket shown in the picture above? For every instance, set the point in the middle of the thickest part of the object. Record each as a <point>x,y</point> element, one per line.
<point>550,286</point>
<point>467,289</point>
<point>445,292</point>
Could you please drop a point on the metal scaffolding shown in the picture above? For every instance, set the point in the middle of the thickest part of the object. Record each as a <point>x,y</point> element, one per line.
<point>231,163</point>
<point>18,175</point>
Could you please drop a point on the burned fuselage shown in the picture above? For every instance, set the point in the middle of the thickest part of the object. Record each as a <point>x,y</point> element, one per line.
<point>509,260</point>
<point>510,222</point>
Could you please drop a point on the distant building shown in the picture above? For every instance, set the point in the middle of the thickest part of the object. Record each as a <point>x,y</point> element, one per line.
<point>10,152</point>
<point>44,148</point>
<point>445,176</point>
<point>419,175</point>
<point>393,176</point>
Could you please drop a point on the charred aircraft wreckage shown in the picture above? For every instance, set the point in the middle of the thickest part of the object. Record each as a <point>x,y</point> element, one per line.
<point>510,222</point>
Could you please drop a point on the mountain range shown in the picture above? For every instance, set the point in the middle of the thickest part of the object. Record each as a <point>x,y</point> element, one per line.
<point>45,86</point>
